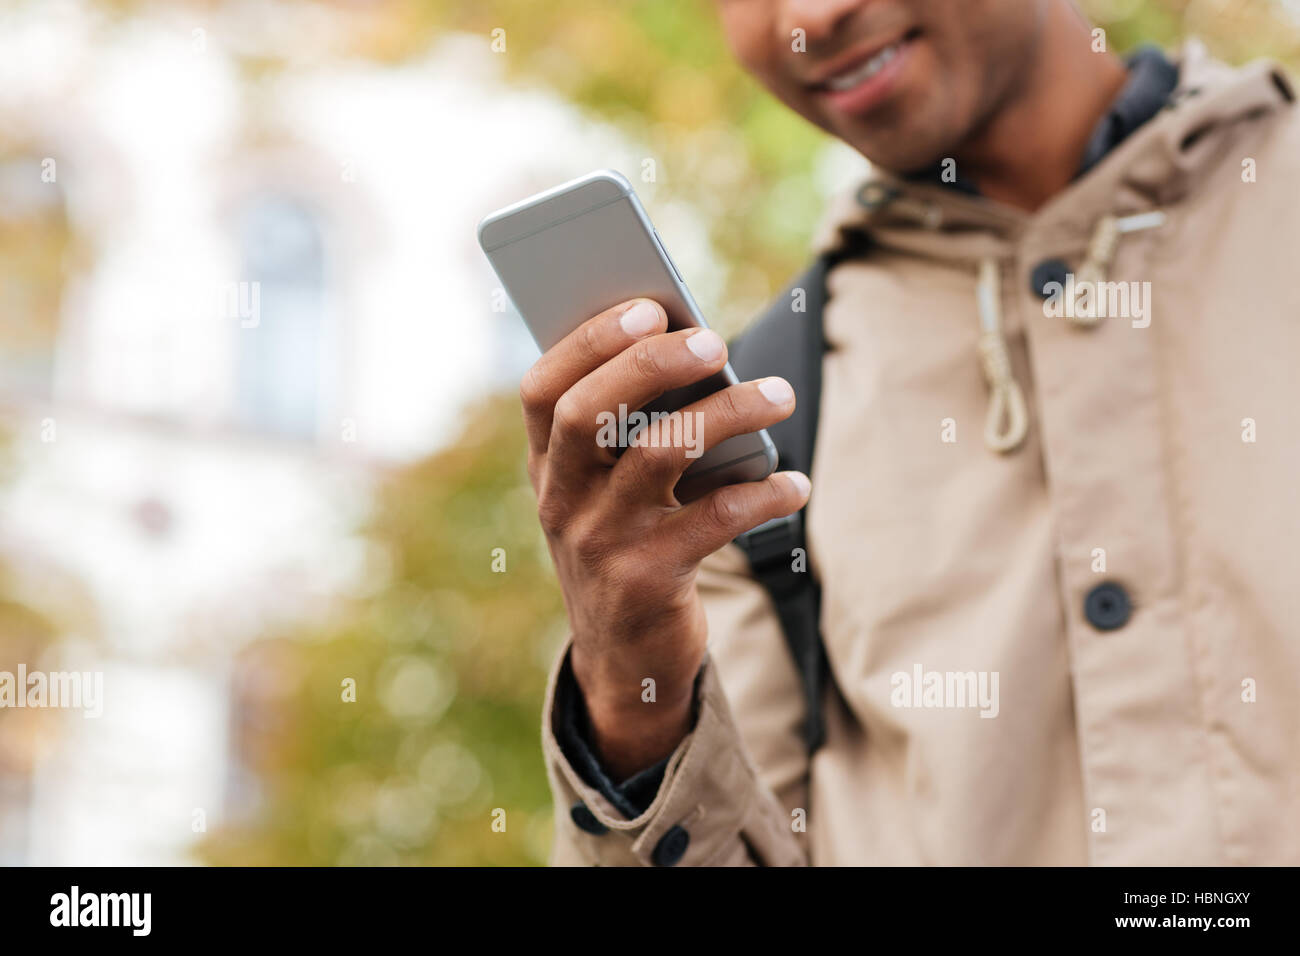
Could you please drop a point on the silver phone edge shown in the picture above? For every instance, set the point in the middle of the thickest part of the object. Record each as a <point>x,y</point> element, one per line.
<point>612,176</point>
<point>768,448</point>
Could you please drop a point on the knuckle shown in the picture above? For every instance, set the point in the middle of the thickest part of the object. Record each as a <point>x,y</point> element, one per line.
<point>589,340</point>
<point>729,404</point>
<point>775,495</point>
<point>532,393</point>
<point>654,460</point>
<point>645,359</point>
<point>552,513</point>
<point>722,511</point>
<point>567,418</point>
<point>669,458</point>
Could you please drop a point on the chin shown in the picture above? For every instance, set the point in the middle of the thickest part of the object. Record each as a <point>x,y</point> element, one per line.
<point>885,152</point>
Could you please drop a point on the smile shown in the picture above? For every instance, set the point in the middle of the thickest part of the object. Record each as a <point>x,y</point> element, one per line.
<point>860,74</point>
<point>861,86</point>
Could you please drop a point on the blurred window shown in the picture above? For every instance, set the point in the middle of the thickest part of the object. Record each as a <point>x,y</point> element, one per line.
<point>34,239</point>
<point>281,345</point>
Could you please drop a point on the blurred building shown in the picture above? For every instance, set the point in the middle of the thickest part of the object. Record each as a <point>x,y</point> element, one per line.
<point>229,297</point>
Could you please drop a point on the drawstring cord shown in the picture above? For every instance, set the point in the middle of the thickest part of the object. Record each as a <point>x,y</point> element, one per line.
<point>1007,401</point>
<point>1008,420</point>
<point>1101,253</point>
<point>1096,264</point>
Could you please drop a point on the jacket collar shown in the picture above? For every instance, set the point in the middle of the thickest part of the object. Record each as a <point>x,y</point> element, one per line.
<point>1157,165</point>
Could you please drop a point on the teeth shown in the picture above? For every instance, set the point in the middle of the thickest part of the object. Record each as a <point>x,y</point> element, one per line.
<point>846,81</point>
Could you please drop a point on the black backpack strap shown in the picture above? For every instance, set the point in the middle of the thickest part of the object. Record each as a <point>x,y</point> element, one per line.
<point>789,342</point>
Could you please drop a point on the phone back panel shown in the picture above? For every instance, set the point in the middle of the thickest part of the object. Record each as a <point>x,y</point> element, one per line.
<point>571,253</point>
<point>592,259</point>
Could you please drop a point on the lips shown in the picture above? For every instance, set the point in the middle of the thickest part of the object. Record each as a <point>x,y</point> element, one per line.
<point>867,81</point>
<point>859,74</point>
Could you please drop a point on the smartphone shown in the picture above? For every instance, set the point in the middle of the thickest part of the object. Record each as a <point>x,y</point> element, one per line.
<point>572,252</point>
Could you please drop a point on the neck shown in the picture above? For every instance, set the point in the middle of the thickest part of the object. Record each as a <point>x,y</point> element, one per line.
<point>1031,148</point>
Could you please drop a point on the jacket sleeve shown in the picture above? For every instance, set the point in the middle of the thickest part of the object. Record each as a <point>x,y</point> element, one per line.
<point>731,791</point>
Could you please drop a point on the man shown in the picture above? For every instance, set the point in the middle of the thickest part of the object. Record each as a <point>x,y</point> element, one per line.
<point>1053,509</point>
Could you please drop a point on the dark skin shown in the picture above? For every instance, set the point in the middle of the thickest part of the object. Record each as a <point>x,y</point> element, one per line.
<point>1010,89</point>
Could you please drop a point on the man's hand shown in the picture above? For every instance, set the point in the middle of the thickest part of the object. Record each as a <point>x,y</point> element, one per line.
<point>626,551</point>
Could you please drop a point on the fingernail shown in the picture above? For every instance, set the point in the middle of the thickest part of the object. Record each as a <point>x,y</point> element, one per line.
<point>640,320</point>
<point>707,345</point>
<point>777,391</point>
<point>800,482</point>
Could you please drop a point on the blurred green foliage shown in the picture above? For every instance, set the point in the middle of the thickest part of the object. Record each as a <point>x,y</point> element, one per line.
<point>448,657</point>
<point>25,634</point>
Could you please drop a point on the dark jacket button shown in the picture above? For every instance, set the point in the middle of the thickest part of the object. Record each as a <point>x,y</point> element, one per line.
<point>1107,607</point>
<point>671,847</point>
<point>586,821</point>
<point>1046,272</point>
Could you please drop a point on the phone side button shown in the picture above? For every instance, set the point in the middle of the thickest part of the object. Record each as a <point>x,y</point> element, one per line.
<point>667,258</point>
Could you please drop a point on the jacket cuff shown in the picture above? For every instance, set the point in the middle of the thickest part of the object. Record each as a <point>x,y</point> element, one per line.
<point>708,796</point>
<point>633,796</point>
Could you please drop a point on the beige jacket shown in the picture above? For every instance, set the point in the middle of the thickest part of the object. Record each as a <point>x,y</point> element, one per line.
<point>1159,453</point>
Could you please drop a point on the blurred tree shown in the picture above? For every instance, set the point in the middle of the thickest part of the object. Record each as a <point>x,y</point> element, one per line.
<point>448,659</point>
<point>37,249</point>
<point>25,636</point>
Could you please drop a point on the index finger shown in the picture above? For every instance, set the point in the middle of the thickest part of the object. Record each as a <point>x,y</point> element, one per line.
<point>583,350</point>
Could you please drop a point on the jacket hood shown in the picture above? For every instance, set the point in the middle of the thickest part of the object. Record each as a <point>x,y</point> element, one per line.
<point>1157,165</point>
<point>1129,190</point>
